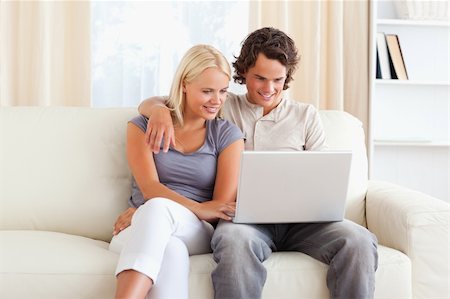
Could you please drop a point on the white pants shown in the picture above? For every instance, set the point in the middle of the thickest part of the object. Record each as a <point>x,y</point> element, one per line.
<point>158,243</point>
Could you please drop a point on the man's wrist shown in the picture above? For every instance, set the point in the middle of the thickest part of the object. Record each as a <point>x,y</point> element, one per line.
<point>159,105</point>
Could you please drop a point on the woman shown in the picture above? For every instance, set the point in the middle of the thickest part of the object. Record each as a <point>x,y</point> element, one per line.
<point>181,193</point>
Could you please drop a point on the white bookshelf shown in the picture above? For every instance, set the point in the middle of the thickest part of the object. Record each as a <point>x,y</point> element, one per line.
<point>400,22</point>
<point>409,119</point>
<point>412,82</point>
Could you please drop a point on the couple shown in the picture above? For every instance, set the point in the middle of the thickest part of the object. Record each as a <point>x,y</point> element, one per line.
<point>180,195</point>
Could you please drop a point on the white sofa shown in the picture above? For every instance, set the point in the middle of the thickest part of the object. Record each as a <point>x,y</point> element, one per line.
<point>64,179</point>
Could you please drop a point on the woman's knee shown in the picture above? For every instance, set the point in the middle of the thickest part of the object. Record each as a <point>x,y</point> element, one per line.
<point>157,203</point>
<point>153,209</point>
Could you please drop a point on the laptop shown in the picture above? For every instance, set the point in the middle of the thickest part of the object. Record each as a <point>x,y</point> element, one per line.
<point>292,187</point>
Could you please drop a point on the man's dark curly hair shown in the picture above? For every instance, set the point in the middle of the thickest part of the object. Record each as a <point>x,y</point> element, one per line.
<point>274,44</point>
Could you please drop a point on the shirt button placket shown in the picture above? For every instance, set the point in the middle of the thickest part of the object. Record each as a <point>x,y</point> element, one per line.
<point>256,137</point>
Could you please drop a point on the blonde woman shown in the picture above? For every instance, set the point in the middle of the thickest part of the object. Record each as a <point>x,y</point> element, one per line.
<point>181,193</point>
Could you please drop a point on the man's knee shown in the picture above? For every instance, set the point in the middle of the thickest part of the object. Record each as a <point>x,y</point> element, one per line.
<point>229,234</point>
<point>361,244</point>
<point>239,242</point>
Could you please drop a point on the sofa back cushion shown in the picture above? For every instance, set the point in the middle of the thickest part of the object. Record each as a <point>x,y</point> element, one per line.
<point>345,132</point>
<point>63,169</point>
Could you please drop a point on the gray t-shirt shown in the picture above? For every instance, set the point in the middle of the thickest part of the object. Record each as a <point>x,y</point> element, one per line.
<point>191,175</point>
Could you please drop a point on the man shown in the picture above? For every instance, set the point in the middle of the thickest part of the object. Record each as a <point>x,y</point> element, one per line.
<point>265,65</point>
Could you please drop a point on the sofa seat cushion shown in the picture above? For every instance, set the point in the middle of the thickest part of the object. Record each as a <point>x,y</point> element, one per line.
<point>297,275</point>
<point>40,264</point>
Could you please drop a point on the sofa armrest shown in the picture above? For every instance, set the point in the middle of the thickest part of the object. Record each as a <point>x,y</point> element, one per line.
<point>417,225</point>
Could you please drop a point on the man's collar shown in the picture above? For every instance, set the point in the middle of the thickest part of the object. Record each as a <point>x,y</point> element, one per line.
<point>274,114</point>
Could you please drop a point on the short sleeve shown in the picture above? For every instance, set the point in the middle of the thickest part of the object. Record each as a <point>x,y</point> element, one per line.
<point>140,121</point>
<point>315,136</point>
<point>225,133</point>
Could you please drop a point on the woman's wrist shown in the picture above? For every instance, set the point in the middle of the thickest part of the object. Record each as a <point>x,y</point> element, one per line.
<point>194,206</point>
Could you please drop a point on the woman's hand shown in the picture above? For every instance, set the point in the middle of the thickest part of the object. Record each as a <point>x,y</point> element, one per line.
<point>159,126</point>
<point>211,211</point>
<point>123,221</point>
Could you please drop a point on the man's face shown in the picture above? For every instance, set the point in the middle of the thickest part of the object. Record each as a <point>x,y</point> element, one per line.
<point>265,81</point>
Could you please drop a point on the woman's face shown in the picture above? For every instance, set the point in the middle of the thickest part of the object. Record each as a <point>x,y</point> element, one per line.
<point>206,94</point>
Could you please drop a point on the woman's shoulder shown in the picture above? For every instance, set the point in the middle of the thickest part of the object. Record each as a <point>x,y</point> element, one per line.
<point>222,133</point>
<point>140,121</point>
<point>219,125</point>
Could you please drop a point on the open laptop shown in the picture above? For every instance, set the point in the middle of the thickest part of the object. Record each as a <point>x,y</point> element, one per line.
<point>292,187</point>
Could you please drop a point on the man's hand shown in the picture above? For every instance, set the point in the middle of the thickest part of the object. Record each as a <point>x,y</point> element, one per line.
<point>123,221</point>
<point>160,125</point>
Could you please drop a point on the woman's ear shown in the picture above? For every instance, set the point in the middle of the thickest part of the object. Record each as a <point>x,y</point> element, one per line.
<point>183,86</point>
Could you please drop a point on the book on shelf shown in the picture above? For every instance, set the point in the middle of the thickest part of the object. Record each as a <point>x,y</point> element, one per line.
<point>383,59</point>
<point>396,56</point>
<point>378,74</point>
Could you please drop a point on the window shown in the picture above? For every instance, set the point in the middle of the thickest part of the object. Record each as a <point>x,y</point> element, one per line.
<point>136,46</point>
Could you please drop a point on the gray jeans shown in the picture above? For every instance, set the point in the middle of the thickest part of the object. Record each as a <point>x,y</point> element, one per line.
<point>349,249</point>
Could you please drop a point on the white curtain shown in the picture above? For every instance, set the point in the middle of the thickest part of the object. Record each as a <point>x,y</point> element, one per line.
<point>137,45</point>
<point>46,56</point>
<point>333,40</point>
<point>44,53</point>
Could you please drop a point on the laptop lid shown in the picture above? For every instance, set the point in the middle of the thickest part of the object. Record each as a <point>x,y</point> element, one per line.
<point>292,187</point>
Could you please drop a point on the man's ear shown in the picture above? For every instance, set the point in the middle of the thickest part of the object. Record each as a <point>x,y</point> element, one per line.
<point>244,77</point>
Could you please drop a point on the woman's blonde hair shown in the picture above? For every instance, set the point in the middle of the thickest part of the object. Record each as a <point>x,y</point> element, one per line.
<point>194,62</point>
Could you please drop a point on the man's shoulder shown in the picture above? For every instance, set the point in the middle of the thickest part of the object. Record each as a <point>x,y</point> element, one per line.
<point>300,107</point>
<point>234,104</point>
<point>235,98</point>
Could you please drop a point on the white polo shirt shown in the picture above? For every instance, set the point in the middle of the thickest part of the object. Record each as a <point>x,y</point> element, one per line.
<point>290,126</point>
